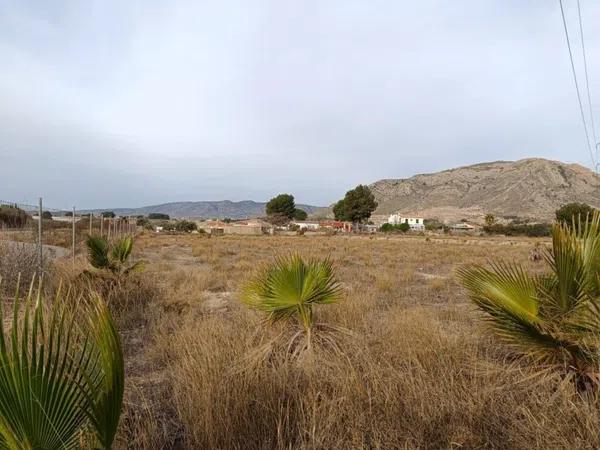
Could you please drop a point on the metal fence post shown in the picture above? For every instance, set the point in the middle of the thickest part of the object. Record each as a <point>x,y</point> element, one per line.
<point>73,236</point>
<point>40,247</point>
<point>90,233</point>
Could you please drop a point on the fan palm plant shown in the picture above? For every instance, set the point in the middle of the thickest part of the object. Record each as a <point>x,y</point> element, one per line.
<point>111,257</point>
<point>291,287</point>
<point>61,373</point>
<point>554,318</point>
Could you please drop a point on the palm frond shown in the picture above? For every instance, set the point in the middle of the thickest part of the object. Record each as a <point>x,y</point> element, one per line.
<point>122,249</point>
<point>291,287</point>
<point>50,368</point>
<point>98,252</point>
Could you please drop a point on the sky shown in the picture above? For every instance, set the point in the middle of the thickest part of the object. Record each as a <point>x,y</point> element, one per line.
<point>129,103</point>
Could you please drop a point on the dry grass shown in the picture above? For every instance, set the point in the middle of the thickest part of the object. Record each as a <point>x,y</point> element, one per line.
<point>414,369</point>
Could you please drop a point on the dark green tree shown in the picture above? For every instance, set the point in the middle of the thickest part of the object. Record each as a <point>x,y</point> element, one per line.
<point>573,211</point>
<point>300,214</point>
<point>356,206</point>
<point>283,204</point>
<point>108,214</point>
<point>158,216</point>
<point>47,215</point>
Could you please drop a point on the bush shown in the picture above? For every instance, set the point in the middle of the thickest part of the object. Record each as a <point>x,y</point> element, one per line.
<point>13,217</point>
<point>17,258</point>
<point>186,226</point>
<point>47,215</point>
<point>514,229</point>
<point>394,228</point>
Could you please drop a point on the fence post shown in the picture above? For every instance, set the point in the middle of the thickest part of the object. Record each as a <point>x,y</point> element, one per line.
<point>101,225</point>
<point>40,247</point>
<point>108,235</point>
<point>90,233</point>
<point>73,236</point>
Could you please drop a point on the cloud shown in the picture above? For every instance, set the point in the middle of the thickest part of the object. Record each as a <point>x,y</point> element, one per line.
<point>127,103</point>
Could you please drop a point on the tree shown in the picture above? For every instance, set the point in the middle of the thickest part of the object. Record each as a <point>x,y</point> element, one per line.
<point>47,215</point>
<point>290,288</point>
<point>108,214</point>
<point>283,204</point>
<point>61,386</point>
<point>490,220</point>
<point>158,216</point>
<point>300,214</point>
<point>356,206</point>
<point>551,319</point>
<point>573,211</point>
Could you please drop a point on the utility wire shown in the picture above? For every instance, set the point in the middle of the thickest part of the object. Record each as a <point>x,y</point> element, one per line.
<point>587,81</point>
<point>587,135</point>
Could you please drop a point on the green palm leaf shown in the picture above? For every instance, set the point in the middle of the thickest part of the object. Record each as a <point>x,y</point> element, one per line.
<point>291,287</point>
<point>54,374</point>
<point>554,318</point>
<point>122,249</point>
<point>98,252</point>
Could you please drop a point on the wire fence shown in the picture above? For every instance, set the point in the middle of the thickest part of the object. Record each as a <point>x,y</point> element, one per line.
<point>52,227</point>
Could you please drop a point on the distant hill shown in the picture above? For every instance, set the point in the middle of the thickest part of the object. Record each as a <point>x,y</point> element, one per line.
<point>206,209</point>
<point>529,188</point>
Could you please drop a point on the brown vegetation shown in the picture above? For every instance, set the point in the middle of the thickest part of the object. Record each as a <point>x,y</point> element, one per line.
<point>412,366</point>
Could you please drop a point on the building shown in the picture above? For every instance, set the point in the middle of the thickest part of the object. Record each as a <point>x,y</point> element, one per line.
<point>415,223</point>
<point>306,225</point>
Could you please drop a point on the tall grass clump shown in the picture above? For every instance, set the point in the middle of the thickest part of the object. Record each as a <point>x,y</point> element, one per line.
<point>551,319</point>
<point>61,373</point>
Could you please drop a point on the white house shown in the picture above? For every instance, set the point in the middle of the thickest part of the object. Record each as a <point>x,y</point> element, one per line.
<point>415,223</point>
<point>306,225</point>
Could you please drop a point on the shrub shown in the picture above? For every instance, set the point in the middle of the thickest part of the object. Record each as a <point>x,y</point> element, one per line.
<point>186,226</point>
<point>111,256</point>
<point>531,230</point>
<point>47,215</point>
<point>17,259</point>
<point>394,228</point>
<point>12,217</point>
<point>552,319</point>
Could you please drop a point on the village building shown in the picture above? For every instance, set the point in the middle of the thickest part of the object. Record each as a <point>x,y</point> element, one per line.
<point>415,223</point>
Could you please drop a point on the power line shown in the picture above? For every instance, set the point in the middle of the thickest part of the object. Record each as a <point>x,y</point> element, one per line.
<point>587,135</point>
<point>587,81</point>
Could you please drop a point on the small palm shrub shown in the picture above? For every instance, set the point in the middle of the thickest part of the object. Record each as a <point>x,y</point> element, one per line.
<point>290,288</point>
<point>111,256</point>
<point>551,319</point>
<point>61,373</point>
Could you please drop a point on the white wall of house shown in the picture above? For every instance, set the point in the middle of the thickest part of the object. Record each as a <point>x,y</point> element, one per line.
<point>306,225</point>
<point>415,223</point>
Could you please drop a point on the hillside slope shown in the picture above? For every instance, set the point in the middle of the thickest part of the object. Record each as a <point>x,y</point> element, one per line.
<point>529,188</point>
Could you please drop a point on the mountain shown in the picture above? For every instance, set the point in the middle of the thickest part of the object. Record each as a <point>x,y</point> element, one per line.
<point>529,188</point>
<point>207,209</point>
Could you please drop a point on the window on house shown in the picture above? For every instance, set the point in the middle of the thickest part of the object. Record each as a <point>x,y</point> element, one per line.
<point>416,220</point>
<point>405,220</point>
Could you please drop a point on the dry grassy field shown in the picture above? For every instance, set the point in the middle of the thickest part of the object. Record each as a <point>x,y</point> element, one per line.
<point>411,367</point>
<point>402,361</point>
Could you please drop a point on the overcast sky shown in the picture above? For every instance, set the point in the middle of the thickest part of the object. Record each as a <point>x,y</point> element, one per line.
<point>128,103</point>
